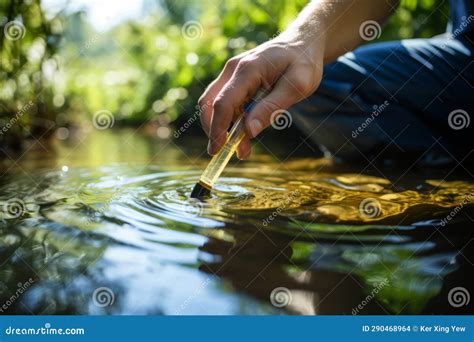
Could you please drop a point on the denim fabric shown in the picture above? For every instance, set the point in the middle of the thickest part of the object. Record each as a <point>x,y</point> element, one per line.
<point>462,17</point>
<point>394,99</point>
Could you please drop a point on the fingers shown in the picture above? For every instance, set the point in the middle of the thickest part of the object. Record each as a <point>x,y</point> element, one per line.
<point>291,88</point>
<point>244,149</point>
<point>241,78</point>
<point>208,97</point>
<point>243,83</point>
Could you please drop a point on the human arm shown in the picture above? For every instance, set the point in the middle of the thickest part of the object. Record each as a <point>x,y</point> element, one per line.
<point>292,64</point>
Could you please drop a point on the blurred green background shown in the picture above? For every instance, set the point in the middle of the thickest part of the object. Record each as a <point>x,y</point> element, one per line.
<point>62,63</point>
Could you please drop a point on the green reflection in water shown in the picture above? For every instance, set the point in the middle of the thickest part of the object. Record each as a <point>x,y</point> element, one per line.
<point>112,210</point>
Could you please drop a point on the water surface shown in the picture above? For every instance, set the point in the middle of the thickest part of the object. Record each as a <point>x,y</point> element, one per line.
<point>103,224</point>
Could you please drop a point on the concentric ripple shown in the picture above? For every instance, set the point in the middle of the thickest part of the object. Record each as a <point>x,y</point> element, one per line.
<point>244,196</point>
<point>135,228</point>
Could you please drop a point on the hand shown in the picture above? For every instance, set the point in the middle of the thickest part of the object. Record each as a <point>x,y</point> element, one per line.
<point>292,67</point>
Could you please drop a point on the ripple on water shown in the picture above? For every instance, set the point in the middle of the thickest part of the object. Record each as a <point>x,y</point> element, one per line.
<point>149,210</point>
<point>91,198</point>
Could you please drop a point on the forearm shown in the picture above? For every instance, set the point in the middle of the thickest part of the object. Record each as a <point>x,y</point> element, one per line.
<point>331,28</point>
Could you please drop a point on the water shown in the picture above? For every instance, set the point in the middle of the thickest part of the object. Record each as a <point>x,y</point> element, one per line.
<point>103,224</point>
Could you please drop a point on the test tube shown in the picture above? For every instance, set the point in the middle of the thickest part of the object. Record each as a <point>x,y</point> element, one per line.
<point>219,161</point>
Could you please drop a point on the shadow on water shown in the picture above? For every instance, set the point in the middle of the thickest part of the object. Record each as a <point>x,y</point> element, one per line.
<point>103,225</point>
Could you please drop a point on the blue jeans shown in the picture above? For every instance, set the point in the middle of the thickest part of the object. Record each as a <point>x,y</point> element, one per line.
<point>410,98</point>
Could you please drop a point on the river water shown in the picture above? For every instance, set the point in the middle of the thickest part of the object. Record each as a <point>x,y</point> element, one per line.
<point>102,224</point>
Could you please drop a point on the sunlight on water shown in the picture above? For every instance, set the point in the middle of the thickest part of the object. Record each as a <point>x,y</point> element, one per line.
<point>133,229</point>
<point>113,214</point>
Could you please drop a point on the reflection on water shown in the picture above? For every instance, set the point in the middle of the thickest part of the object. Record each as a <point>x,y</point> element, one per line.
<point>331,241</point>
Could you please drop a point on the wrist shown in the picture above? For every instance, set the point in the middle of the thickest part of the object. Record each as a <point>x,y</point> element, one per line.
<point>309,41</point>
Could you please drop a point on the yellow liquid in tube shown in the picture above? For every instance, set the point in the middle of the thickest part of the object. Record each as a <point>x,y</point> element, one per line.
<point>219,161</point>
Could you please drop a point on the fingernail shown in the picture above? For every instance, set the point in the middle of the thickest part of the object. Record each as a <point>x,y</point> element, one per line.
<point>209,148</point>
<point>255,127</point>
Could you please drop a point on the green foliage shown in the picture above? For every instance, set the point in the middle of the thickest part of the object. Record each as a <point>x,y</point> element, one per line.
<point>28,45</point>
<point>417,18</point>
<point>152,69</point>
